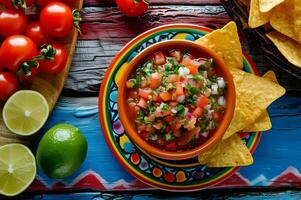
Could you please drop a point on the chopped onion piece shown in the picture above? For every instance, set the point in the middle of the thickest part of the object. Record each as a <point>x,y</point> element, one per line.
<point>221,100</point>
<point>205,134</point>
<point>181,98</point>
<point>214,89</point>
<point>174,110</point>
<point>221,82</point>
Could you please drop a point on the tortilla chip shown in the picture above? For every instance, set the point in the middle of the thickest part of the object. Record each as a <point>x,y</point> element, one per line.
<point>263,122</point>
<point>288,47</point>
<point>228,153</point>
<point>267,5</point>
<point>257,18</point>
<point>225,42</point>
<point>271,76</point>
<point>297,18</point>
<point>253,95</point>
<point>282,20</point>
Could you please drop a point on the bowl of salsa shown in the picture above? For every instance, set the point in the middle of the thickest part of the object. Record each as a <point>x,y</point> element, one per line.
<point>176,99</point>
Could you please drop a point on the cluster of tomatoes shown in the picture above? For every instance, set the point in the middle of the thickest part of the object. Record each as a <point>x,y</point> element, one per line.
<point>28,46</point>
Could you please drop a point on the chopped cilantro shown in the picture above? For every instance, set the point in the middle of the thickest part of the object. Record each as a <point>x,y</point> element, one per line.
<point>180,110</point>
<point>165,107</point>
<point>169,137</point>
<point>192,90</point>
<point>150,106</point>
<point>213,79</point>
<point>196,78</point>
<point>140,115</point>
<point>191,100</point>
<point>203,127</point>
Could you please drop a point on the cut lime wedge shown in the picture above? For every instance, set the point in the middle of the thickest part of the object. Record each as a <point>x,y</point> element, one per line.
<point>17,169</point>
<point>25,112</point>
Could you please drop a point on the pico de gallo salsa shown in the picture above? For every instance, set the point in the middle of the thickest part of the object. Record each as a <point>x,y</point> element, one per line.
<point>177,100</point>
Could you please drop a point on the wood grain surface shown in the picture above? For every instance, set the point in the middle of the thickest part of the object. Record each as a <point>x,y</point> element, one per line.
<point>50,86</point>
<point>105,31</point>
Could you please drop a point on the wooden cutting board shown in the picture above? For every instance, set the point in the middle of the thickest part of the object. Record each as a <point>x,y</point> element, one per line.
<point>48,85</point>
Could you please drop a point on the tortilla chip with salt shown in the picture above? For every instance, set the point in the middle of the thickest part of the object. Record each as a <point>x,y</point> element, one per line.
<point>257,18</point>
<point>231,152</point>
<point>282,20</point>
<point>253,95</point>
<point>225,42</point>
<point>288,47</point>
<point>267,5</point>
<point>263,122</point>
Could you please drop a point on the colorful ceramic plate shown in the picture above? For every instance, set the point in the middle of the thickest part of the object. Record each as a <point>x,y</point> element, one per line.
<point>186,175</point>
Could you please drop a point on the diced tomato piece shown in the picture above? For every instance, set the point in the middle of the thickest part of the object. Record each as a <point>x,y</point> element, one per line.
<point>157,98</point>
<point>179,89</point>
<point>142,103</point>
<point>176,54</point>
<point>190,64</point>
<point>173,78</point>
<point>197,112</point>
<point>187,137</point>
<point>175,126</point>
<point>159,58</point>
<point>202,101</point>
<point>177,133</point>
<point>171,146</point>
<point>151,117</point>
<point>169,118</point>
<point>216,116</point>
<point>158,125</point>
<point>133,94</point>
<point>165,96</point>
<point>155,80</point>
<point>144,93</point>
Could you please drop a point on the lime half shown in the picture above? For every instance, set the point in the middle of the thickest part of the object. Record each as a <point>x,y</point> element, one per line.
<point>25,112</point>
<point>17,169</point>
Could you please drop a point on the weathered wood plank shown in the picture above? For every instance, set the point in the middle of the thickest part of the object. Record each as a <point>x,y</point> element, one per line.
<point>108,22</point>
<point>105,31</point>
<point>155,2</point>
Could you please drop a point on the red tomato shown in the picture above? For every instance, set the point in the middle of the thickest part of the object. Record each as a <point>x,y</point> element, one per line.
<point>2,67</point>
<point>12,22</point>
<point>8,85</point>
<point>16,50</point>
<point>17,3</point>
<point>57,64</point>
<point>56,19</point>
<point>26,78</point>
<point>42,3</point>
<point>132,8</point>
<point>35,32</point>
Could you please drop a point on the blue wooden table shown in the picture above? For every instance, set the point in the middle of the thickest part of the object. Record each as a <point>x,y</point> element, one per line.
<point>104,32</point>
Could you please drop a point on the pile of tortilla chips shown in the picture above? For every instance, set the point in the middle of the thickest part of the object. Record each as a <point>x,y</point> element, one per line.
<point>284,16</point>
<point>253,95</point>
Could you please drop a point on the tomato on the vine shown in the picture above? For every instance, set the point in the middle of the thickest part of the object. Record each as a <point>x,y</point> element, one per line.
<point>58,20</point>
<point>26,78</point>
<point>132,8</point>
<point>17,3</point>
<point>16,50</point>
<point>8,85</point>
<point>35,32</point>
<point>57,64</point>
<point>12,22</point>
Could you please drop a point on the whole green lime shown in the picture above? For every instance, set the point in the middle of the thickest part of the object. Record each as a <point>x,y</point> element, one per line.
<point>61,151</point>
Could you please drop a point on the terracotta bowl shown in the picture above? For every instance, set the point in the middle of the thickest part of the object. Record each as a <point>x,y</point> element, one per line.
<point>128,121</point>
